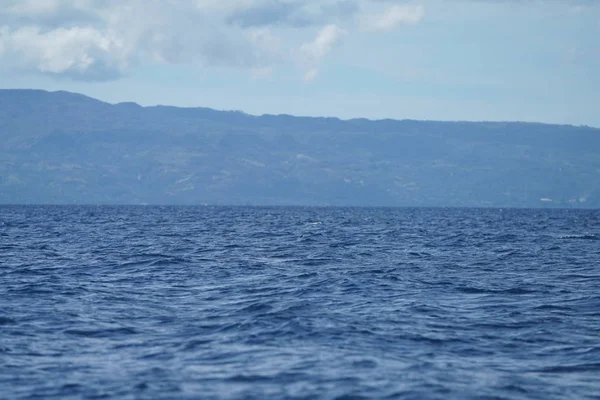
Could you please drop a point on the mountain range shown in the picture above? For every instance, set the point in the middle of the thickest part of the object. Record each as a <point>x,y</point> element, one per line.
<point>66,148</point>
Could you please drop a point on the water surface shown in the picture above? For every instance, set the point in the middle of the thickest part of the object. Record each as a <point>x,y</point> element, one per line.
<point>306,303</point>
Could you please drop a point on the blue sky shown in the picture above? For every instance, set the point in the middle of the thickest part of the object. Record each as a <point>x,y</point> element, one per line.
<point>525,60</point>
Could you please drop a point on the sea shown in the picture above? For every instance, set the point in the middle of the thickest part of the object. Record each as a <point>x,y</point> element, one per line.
<point>145,302</point>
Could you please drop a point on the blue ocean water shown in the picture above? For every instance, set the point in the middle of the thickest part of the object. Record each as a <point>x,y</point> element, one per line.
<point>303,303</point>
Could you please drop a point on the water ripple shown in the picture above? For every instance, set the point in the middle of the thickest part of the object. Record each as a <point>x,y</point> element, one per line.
<point>331,303</point>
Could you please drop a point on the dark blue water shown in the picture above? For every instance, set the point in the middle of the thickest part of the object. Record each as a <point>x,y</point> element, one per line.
<point>311,303</point>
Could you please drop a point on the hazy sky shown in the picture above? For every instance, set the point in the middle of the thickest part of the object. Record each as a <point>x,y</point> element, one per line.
<point>528,60</point>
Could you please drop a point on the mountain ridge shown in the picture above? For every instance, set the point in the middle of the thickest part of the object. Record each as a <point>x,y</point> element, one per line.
<point>191,108</point>
<point>65,148</point>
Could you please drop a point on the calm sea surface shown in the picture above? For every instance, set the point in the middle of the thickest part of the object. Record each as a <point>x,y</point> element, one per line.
<point>306,303</point>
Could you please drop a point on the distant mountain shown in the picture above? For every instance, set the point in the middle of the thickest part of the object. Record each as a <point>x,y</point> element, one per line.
<point>59,147</point>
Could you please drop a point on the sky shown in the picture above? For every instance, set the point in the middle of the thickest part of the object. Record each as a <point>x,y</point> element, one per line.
<point>494,60</point>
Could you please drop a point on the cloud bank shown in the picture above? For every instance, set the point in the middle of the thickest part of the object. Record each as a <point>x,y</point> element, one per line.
<point>98,40</point>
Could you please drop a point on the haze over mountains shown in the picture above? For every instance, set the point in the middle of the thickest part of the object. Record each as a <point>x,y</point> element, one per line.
<point>65,148</point>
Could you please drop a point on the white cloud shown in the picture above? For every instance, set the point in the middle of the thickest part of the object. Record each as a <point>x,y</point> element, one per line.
<point>313,52</point>
<point>85,52</point>
<point>100,40</point>
<point>393,17</point>
<point>323,43</point>
<point>105,39</point>
<point>311,74</point>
